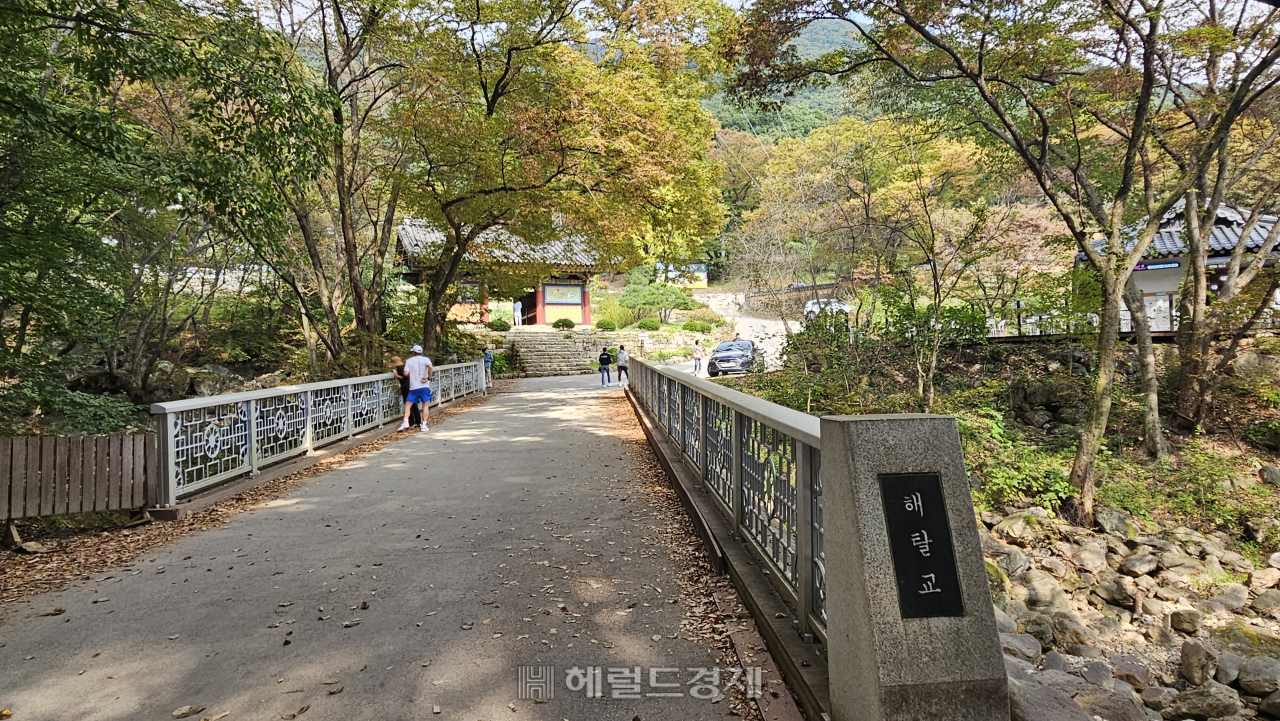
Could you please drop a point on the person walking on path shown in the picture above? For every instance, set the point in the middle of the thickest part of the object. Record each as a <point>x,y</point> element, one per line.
<point>517,318</point>
<point>623,357</point>
<point>697,357</point>
<point>419,370</point>
<point>605,360</point>
<point>415,418</point>
<point>488,364</point>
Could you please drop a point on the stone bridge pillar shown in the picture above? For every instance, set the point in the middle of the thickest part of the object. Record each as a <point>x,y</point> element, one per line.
<point>911,631</point>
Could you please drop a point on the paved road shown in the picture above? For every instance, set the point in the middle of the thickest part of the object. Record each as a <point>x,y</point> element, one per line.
<point>770,334</point>
<point>516,533</point>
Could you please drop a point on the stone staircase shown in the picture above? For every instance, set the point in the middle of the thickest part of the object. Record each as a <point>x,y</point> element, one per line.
<point>548,353</point>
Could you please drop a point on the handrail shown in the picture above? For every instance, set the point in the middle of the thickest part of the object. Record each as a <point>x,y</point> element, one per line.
<point>796,424</point>
<point>205,441</point>
<point>203,401</point>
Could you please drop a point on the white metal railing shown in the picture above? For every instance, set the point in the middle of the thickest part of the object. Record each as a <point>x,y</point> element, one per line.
<point>203,441</point>
<point>761,462</point>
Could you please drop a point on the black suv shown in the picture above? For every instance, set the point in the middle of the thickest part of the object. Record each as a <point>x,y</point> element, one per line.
<point>732,356</point>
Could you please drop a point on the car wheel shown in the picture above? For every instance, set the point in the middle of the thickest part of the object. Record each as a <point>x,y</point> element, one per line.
<point>713,374</point>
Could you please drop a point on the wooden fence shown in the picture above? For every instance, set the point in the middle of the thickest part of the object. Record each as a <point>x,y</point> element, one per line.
<point>45,476</point>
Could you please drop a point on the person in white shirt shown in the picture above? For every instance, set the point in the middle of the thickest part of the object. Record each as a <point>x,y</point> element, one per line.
<point>623,358</point>
<point>419,369</point>
<point>517,315</point>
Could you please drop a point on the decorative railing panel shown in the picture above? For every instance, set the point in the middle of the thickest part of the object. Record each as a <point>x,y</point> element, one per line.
<point>203,441</point>
<point>769,493</point>
<point>280,426</point>
<point>719,473</point>
<point>691,423</point>
<point>819,555</point>
<point>673,408</point>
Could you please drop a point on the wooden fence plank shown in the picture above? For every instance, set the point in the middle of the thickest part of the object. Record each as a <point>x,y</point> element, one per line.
<point>6,452</point>
<point>33,476</point>
<point>60,477</point>
<point>139,471</point>
<point>115,442</point>
<point>18,478</point>
<point>100,475</point>
<point>75,473</point>
<point>155,474</point>
<point>126,471</point>
<point>48,481</point>
<point>87,466</point>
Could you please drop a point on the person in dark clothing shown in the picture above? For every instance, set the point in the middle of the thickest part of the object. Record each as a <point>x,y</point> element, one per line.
<point>605,361</point>
<point>415,415</point>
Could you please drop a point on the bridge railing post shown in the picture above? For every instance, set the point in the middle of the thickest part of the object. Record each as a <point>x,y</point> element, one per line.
<point>910,624</point>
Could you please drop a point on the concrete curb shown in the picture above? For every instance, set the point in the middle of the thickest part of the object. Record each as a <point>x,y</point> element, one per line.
<point>803,666</point>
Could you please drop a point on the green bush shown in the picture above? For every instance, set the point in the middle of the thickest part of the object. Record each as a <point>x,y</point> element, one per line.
<point>606,324</point>
<point>563,324</point>
<point>649,324</point>
<point>1264,434</point>
<point>706,315</point>
<point>661,355</point>
<point>698,326</point>
<point>499,364</point>
<point>499,325</point>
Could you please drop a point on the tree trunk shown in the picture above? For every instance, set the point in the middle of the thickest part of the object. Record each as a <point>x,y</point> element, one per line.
<point>1095,425</point>
<point>1153,442</point>
<point>1194,337</point>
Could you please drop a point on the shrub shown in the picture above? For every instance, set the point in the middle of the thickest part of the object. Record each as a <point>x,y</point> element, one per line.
<point>499,325</point>
<point>606,324</point>
<point>563,324</point>
<point>706,315</point>
<point>661,355</point>
<point>649,324</point>
<point>698,326</point>
<point>499,364</point>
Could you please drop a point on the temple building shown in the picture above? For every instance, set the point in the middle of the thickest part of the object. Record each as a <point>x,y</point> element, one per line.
<point>550,280</point>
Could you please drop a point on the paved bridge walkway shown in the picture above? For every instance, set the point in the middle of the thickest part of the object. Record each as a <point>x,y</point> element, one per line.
<point>416,578</point>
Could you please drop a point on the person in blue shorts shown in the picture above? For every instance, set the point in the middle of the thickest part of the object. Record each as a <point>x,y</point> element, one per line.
<point>419,370</point>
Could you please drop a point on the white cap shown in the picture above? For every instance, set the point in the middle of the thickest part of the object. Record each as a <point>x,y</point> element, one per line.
<point>416,349</point>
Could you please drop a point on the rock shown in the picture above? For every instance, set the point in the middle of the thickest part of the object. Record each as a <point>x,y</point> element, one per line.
<point>1054,566</point>
<point>1161,636</point>
<point>1113,520</point>
<point>1269,475</point>
<point>1131,670</point>
<point>1186,620</point>
<point>1071,415</point>
<point>1068,683</point>
<point>1092,556</point>
<point>167,382</point>
<point>997,581</point>
<point>1159,697</point>
<point>1139,564</point>
<point>1264,578</point>
<point>1020,645</point>
<point>1274,560</point>
<point>1014,563</point>
<point>1267,601</point>
<point>1085,651</point>
<point>1211,700</point>
<point>1030,701</point>
<point>1260,675</point>
<point>1070,631</point>
<point>990,519</point>
<point>1271,705</point>
<point>1053,661</point>
<point>1040,627</point>
<point>1247,640</point>
<point>1236,562</point>
<point>1005,622</point>
<point>1017,668</point>
<point>1228,668</point>
<point>1020,528</point>
<point>1038,418</point>
<point>1095,672</point>
<point>1041,592</point>
<point>1121,707</point>
<point>1233,596</point>
<point>213,380</point>
<point>1199,661</point>
<point>1174,560</point>
<point>1152,607</point>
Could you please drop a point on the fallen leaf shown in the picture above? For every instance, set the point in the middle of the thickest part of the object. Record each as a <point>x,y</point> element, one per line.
<point>435,709</point>
<point>186,711</point>
<point>173,638</point>
<point>364,605</point>
<point>335,691</point>
<point>285,604</point>
<point>55,612</point>
<point>512,706</point>
<point>113,677</point>
<point>222,715</point>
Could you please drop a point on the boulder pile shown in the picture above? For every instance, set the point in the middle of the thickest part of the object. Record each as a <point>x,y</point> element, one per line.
<point>1126,625</point>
